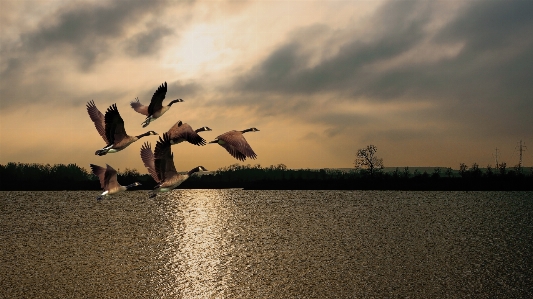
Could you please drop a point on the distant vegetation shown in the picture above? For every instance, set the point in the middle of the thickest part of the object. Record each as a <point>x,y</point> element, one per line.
<point>23,176</point>
<point>33,176</point>
<point>366,159</point>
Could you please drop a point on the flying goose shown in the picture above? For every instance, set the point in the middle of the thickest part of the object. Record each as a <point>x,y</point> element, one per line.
<point>156,108</point>
<point>111,128</point>
<point>180,132</point>
<point>108,180</point>
<point>234,142</point>
<point>160,165</point>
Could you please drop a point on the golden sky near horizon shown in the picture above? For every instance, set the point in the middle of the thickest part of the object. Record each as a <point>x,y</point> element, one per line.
<point>430,83</point>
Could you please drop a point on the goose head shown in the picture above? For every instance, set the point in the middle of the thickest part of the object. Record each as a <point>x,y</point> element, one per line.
<point>197,169</point>
<point>133,185</point>
<point>250,130</point>
<point>146,134</point>
<point>202,129</point>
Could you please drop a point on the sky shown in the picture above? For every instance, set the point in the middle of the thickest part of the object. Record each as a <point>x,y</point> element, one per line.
<point>429,83</point>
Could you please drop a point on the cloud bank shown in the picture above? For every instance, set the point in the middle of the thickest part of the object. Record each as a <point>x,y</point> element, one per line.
<point>428,82</point>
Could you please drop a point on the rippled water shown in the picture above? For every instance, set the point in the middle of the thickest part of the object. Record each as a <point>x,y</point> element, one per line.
<point>267,244</point>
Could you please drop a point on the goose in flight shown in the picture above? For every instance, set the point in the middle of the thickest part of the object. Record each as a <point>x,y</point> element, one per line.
<point>108,180</point>
<point>111,128</point>
<point>180,132</point>
<point>156,109</point>
<point>160,165</point>
<point>234,142</point>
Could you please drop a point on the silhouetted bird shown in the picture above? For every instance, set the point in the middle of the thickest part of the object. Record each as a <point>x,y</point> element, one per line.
<point>160,165</point>
<point>183,132</point>
<point>236,145</point>
<point>111,128</point>
<point>156,109</point>
<point>108,180</point>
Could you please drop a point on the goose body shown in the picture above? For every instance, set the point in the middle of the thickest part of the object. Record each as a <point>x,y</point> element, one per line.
<point>111,128</point>
<point>181,132</point>
<point>156,108</point>
<point>236,145</point>
<point>108,180</point>
<point>160,165</point>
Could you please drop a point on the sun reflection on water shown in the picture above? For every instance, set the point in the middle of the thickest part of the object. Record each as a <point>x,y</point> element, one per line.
<point>266,244</point>
<point>196,244</point>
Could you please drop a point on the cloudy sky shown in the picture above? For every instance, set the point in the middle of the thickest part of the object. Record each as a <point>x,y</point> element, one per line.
<point>430,83</point>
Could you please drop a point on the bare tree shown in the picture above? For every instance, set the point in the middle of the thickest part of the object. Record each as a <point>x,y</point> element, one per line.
<point>366,159</point>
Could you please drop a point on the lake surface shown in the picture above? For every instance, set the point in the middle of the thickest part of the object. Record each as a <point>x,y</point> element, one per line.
<point>267,244</point>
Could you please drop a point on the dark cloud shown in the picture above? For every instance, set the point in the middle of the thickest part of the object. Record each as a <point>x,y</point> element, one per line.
<point>147,43</point>
<point>184,90</point>
<point>80,35</point>
<point>397,29</point>
<point>88,31</point>
<point>487,81</point>
<point>498,53</point>
<point>490,25</point>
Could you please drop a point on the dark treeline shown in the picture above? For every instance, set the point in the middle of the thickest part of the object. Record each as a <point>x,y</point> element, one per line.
<point>21,176</point>
<point>279,177</point>
<point>33,176</point>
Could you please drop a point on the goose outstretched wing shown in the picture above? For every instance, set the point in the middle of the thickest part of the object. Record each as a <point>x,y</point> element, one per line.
<point>185,132</point>
<point>107,176</point>
<point>98,119</point>
<point>137,106</point>
<point>164,159</point>
<point>111,178</point>
<point>236,145</point>
<point>157,99</point>
<point>148,159</point>
<point>99,172</point>
<point>114,125</point>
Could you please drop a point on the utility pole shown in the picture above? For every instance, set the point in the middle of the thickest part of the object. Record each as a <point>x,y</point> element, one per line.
<point>496,156</point>
<point>521,148</point>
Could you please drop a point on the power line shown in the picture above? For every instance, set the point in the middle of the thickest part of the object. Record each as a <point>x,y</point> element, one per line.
<point>521,149</point>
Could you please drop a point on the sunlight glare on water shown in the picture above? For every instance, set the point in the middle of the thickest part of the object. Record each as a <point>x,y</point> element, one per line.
<point>266,244</point>
<point>196,242</point>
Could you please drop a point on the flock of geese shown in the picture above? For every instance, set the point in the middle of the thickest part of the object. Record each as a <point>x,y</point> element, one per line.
<point>160,162</point>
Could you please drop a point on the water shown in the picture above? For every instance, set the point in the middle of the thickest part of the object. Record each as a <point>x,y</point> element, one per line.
<point>267,244</point>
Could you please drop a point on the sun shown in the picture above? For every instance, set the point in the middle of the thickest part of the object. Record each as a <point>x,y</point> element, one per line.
<point>196,49</point>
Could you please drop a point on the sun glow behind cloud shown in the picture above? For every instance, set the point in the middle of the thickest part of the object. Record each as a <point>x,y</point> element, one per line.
<point>195,53</point>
